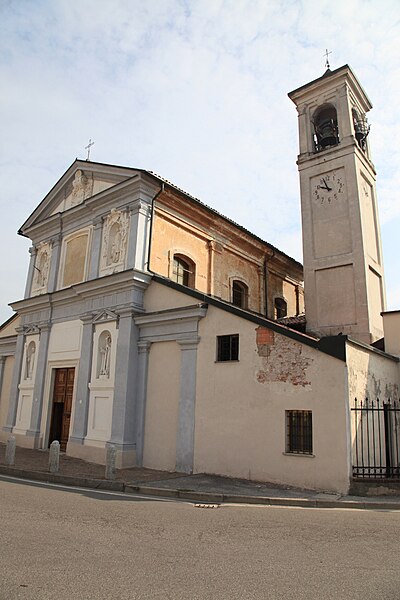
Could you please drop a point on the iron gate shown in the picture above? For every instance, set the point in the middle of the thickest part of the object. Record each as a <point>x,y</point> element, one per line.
<point>376,444</point>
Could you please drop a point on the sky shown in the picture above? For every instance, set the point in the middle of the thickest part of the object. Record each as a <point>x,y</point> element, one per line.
<point>194,90</point>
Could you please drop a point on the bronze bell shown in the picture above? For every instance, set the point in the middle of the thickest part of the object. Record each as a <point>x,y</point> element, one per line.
<point>326,133</point>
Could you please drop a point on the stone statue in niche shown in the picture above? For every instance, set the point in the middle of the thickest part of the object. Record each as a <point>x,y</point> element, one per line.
<point>114,241</point>
<point>42,267</point>
<point>30,360</point>
<point>105,355</point>
<point>81,188</point>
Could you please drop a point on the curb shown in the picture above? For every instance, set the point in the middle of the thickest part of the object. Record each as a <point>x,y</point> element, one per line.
<point>192,495</point>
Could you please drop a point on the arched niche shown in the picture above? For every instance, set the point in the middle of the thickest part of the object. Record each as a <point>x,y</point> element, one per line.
<point>30,360</point>
<point>326,131</point>
<point>104,355</point>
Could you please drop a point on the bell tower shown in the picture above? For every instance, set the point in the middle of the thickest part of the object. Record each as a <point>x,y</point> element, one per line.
<point>343,271</point>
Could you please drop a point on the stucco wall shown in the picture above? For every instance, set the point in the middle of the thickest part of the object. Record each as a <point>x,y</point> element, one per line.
<point>5,395</point>
<point>371,375</point>
<point>161,417</point>
<point>240,410</point>
<point>221,253</point>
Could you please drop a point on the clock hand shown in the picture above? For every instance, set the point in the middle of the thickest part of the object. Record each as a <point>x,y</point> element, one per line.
<point>326,185</point>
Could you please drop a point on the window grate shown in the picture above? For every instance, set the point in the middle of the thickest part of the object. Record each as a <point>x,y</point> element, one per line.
<point>299,432</point>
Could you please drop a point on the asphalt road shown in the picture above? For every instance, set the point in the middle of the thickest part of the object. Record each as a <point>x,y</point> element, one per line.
<point>59,544</point>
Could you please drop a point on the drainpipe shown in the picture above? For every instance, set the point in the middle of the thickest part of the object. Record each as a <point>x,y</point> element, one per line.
<point>266,275</point>
<point>153,202</point>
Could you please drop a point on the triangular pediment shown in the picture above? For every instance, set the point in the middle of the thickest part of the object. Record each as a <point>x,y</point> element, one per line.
<point>105,316</point>
<point>82,181</point>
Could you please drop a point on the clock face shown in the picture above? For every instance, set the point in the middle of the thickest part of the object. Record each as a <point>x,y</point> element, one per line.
<point>328,188</point>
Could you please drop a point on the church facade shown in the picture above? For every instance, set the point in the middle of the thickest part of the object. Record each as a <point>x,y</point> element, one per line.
<point>154,323</point>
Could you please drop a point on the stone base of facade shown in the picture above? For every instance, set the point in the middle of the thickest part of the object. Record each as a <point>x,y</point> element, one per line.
<point>96,453</point>
<point>25,439</point>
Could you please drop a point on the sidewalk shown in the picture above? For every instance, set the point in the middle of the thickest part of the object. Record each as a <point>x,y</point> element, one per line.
<point>33,464</point>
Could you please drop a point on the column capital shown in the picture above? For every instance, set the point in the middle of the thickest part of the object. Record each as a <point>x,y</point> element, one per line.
<point>20,330</point>
<point>190,343</point>
<point>87,319</point>
<point>32,250</point>
<point>127,311</point>
<point>2,360</point>
<point>44,327</point>
<point>98,222</point>
<point>56,240</point>
<point>215,246</point>
<point>143,346</point>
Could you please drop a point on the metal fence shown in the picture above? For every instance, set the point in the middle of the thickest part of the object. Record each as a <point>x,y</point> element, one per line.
<point>376,439</point>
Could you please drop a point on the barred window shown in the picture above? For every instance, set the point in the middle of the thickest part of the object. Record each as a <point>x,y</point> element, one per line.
<point>299,432</point>
<point>227,347</point>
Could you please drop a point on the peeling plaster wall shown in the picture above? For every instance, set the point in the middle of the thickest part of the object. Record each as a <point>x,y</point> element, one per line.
<point>282,359</point>
<point>371,375</point>
<point>240,426</point>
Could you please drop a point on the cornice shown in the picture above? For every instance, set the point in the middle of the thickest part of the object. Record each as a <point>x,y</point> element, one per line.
<point>115,282</point>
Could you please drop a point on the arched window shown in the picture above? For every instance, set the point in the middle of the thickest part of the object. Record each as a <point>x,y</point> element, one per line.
<point>184,270</point>
<point>326,127</point>
<point>280,308</point>
<point>240,294</point>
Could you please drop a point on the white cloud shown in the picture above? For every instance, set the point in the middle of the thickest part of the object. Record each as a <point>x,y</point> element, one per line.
<point>196,91</point>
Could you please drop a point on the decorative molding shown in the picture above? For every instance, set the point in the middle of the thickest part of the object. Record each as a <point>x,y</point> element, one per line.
<point>114,242</point>
<point>104,316</point>
<point>41,268</point>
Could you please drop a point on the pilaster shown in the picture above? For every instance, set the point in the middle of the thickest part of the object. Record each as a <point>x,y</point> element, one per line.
<point>95,249</point>
<point>79,425</point>
<point>138,235</point>
<point>13,404</point>
<point>37,405</point>
<point>143,365</point>
<point>55,262</point>
<point>187,405</point>
<point>2,363</point>
<point>123,429</point>
<point>31,271</point>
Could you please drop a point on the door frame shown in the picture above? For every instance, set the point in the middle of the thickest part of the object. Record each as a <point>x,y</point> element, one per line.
<point>48,394</point>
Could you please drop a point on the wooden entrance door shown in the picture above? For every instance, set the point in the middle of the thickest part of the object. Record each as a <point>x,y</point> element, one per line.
<point>62,405</point>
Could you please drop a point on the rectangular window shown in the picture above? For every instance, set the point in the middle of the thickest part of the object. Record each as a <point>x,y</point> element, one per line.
<point>299,432</point>
<point>227,347</point>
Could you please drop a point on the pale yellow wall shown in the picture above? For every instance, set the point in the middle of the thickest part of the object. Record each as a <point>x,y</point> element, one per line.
<point>391,326</point>
<point>240,411</point>
<point>217,264</point>
<point>9,329</point>
<point>161,297</point>
<point>5,395</point>
<point>176,238</point>
<point>161,419</point>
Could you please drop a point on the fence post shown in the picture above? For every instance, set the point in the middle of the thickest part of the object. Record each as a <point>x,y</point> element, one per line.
<point>10,450</point>
<point>54,457</point>
<point>111,455</point>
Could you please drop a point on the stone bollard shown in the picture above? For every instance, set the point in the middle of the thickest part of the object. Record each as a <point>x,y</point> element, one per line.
<point>111,456</point>
<point>54,457</point>
<point>10,450</point>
